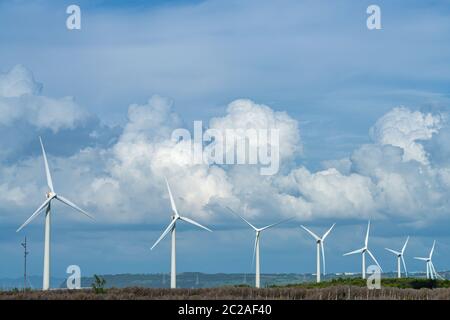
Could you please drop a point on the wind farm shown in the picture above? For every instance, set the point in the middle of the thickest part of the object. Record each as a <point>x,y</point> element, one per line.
<point>213,149</point>
<point>333,280</point>
<point>431,273</point>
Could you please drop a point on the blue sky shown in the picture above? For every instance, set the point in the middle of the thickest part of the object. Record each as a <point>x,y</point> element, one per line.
<point>178,61</point>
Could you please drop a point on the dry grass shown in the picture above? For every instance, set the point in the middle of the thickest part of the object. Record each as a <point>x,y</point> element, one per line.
<point>237,293</point>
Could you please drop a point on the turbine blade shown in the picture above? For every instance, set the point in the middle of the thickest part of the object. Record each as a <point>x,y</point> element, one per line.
<point>252,226</point>
<point>73,205</point>
<point>172,201</point>
<point>36,213</point>
<point>354,252</point>
<point>47,170</point>
<point>275,224</point>
<point>328,232</point>
<point>366,242</point>
<point>419,258</point>
<point>393,251</point>
<point>404,266</point>
<point>315,236</point>
<point>404,246</point>
<point>169,227</point>
<point>194,223</point>
<point>437,275</point>
<point>432,249</point>
<point>375,260</point>
<point>323,257</point>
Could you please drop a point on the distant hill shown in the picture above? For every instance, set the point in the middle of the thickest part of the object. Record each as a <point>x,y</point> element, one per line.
<point>192,280</point>
<point>204,280</point>
<point>33,282</point>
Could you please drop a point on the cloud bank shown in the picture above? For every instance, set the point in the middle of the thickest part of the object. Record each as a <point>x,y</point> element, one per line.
<point>122,182</point>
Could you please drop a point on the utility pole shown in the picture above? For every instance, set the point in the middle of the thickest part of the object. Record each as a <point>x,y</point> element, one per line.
<point>25,253</point>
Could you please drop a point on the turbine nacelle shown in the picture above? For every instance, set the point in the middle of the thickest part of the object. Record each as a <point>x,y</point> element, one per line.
<point>50,194</point>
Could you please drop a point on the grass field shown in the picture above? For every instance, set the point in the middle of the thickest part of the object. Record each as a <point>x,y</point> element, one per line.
<point>338,289</point>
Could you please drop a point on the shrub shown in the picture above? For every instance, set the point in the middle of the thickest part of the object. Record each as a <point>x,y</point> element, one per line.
<point>99,284</point>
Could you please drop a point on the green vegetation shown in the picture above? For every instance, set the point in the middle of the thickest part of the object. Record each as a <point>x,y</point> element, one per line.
<point>336,292</point>
<point>99,284</point>
<point>404,283</point>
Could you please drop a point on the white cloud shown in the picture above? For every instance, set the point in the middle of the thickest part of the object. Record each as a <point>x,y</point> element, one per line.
<point>404,128</point>
<point>17,82</point>
<point>333,194</point>
<point>246,114</point>
<point>20,100</point>
<point>124,183</point>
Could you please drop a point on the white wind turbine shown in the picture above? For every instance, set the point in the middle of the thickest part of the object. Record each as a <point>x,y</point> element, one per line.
<point>363,251</point>
<point>400,257</point>
<point>319,242</point>
<point>51,195</point>
<point>256,247</point>
<point>172,228</point>
<point>431,271</point>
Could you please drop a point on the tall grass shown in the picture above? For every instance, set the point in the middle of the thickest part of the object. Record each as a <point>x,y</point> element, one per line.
<point>336,292</point>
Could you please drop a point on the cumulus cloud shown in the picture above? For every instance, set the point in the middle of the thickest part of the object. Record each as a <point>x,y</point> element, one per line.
<point>25,113</point>
<point>246,114</point>
<point>18,81</point>
<point>404,128</point>
<point>123,182</point>
<point>20,99</point>
<point>135,166</point>
<point>332,193</point>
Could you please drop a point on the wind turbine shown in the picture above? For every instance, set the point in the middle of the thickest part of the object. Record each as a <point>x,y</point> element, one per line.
<point>319,242</point>
<point>51,195</point>
<point>172,228</point>
<point>256,247</point>
<point>363,251</point>
<point>400,257</point>
<point>431,271</point>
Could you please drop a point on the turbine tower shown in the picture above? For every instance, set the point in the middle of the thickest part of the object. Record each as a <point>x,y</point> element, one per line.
<point>319,242</point>
<point>51,195</point>
<point>431,271</point>
<point>399,255</point>
<point>363,251</point>
<point>256,246</point>
<point>172,228</point>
